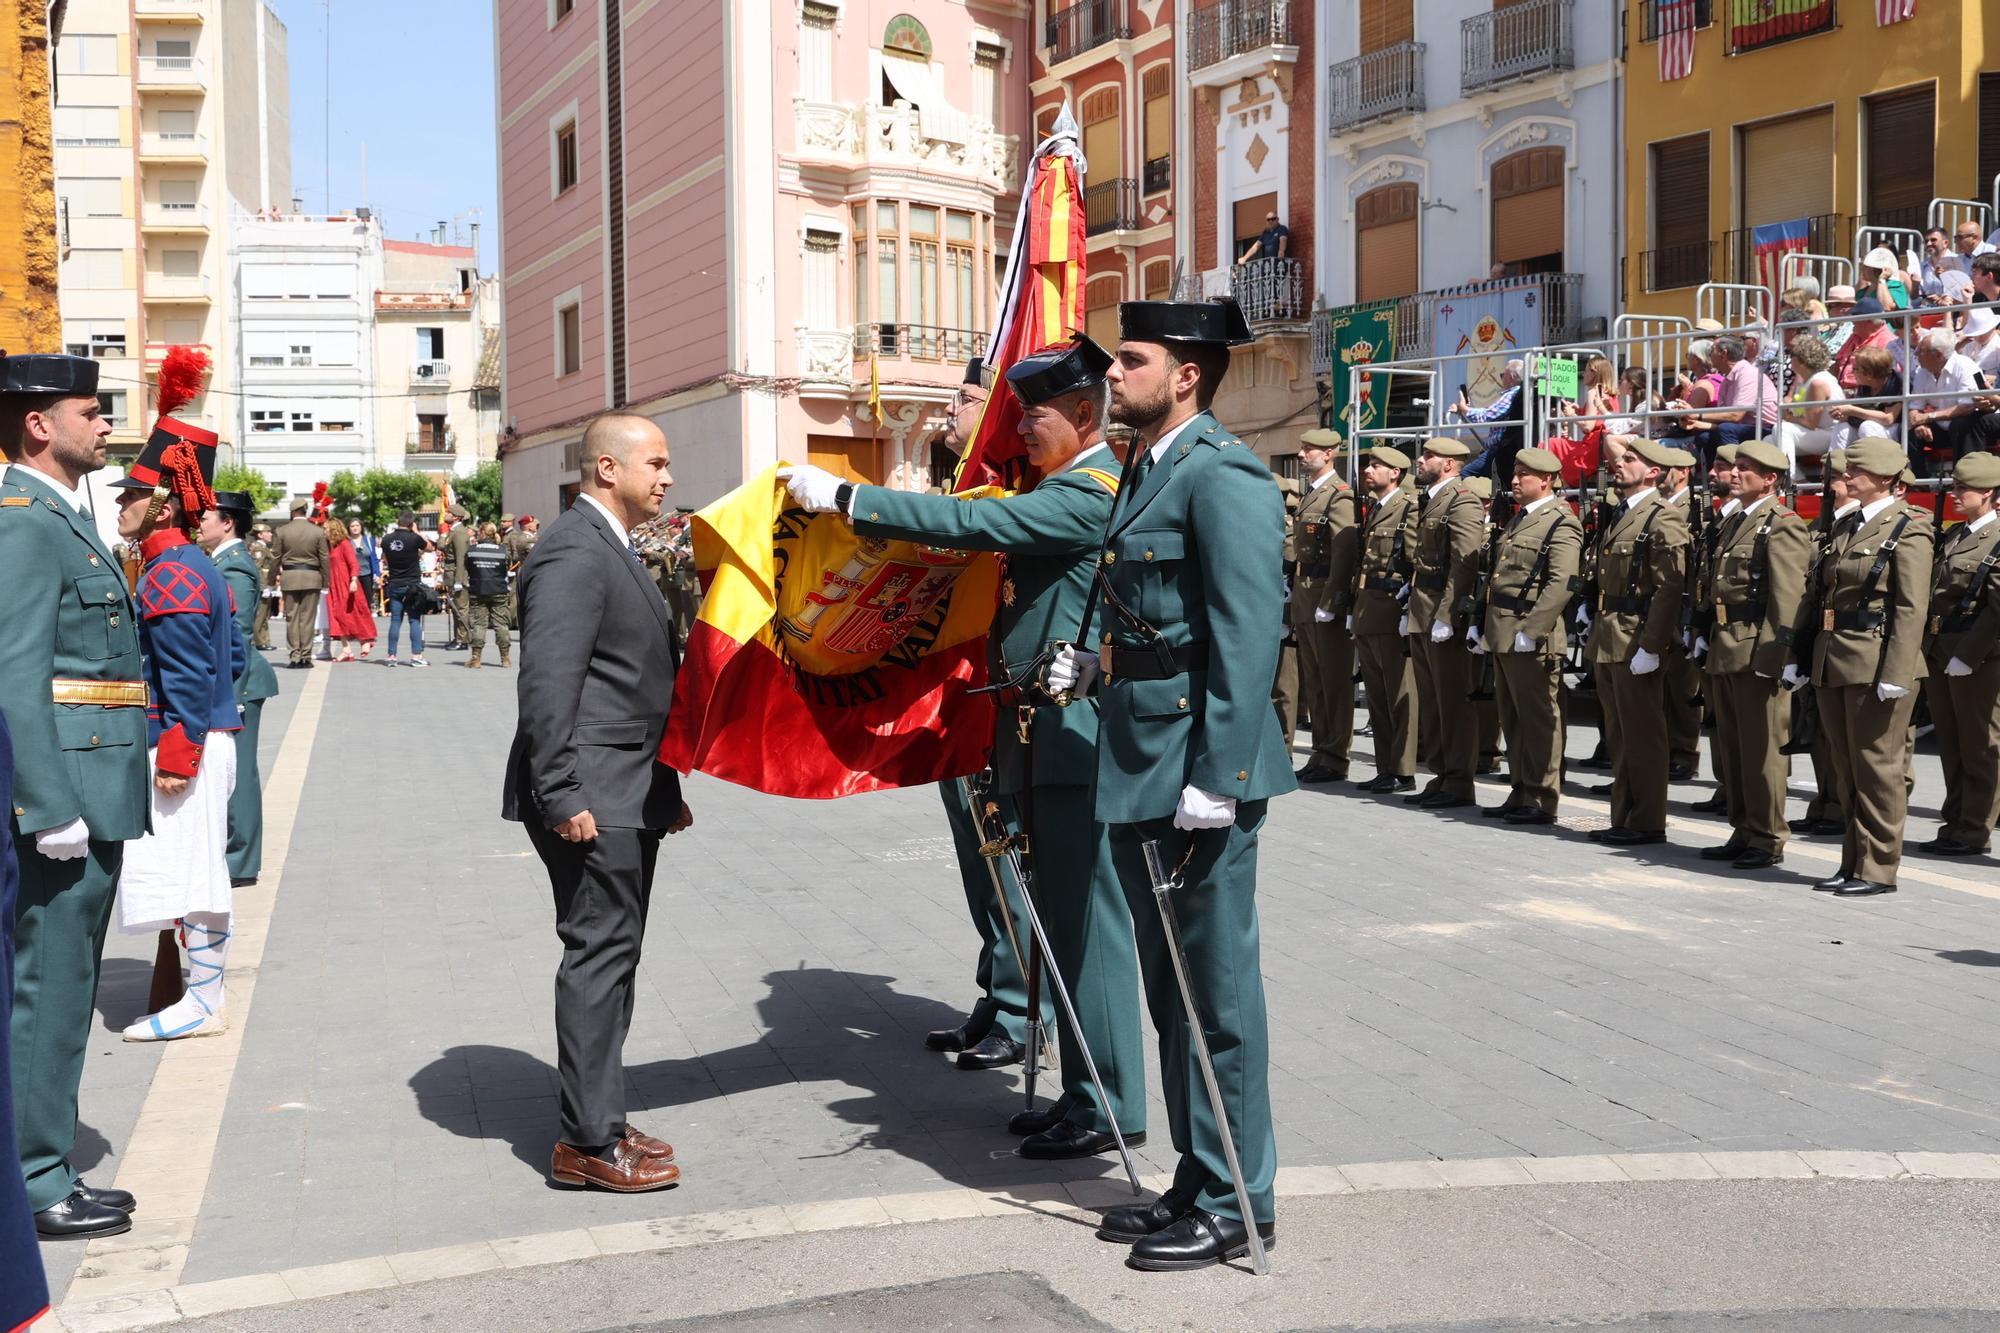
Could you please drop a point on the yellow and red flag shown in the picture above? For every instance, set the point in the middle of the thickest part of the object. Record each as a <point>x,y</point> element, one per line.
<point>824,663</point>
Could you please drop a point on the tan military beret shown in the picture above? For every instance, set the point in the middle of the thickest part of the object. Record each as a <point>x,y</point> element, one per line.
<point>1836,462</point>
<point>1658,454</point>
<point>506,518</point>
<point>1480,486</point>
<point>1539,460</point>
<point>1764,454</point>
<point>1980,471</point>
<point>1907,477</point>
<point>1725,453</point>
<point>1444,446</point>
<point>1390,454</point>
<point>1680,458</point>
<point>458,511</point>
<point>1322,437</point>
<point>1878,455</point>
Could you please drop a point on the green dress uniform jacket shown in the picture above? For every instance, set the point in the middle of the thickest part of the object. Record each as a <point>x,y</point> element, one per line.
<point>1755,584</point>
<point>1327,550</point>
<point>456,543</point>
<point>1871,633</point>
<point>1451,532</point>
<point>1533,576</point>
<point>257,683</point>
<point>69,620</point>
<point>1381,587</point>
<point>1965,624</point>
<point>1641,573</point>
<point>1194,556</point>
<point>1050,535</point>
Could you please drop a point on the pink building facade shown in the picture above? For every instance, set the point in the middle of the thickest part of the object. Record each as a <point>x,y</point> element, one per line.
<point>732,219</point>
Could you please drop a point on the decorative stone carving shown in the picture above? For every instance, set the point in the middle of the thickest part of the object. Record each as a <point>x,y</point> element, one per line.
<point>826,354</point>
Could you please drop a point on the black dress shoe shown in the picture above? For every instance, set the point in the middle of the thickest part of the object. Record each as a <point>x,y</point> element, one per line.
<point>1620,836</point>
<point>953,1039</point>
<point>1069,1139</point>
<point>1728,851</point>
<point>1404,784</point>
<point>1380,782</point>
<point>1438,800</point>
<point>1487,766</point>
<point>1814,827</point>
<point>1135,1222</point>
<point>1196,1241</point>
<point>1530,816</point>
<point>1597,759</point>
<point>1312,773</point>
<point>1717,804</point>
<point>1601,789</point>
<point>1023,1123</point>
<point>1419,797</point>
<point>995,1050</point>
<point>241,881</point>
<point>1758,858</point>
<point>1862,888</point>
<point>122,1200</point>
<point>1943,846</point>
<point>1834,883</point>
<point>1680,772</point>
<point>78,1218</point>
<point>1499,811</point>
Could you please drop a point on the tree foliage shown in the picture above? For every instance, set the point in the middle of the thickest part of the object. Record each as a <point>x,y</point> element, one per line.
<point>480,493</point>
<point>375,496</point>
<point>264,494</point>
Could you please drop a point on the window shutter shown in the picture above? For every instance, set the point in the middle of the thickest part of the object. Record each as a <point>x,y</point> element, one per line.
<point>1680,191</point>
<point>1528,205</point>
<point>1989,133</point>
<point>1902,150</point>
<point>1384,23</point>
<point>1159,103</point>
<point>1787,169</point>
<point>1248,217</point>
<point>1385,243</point>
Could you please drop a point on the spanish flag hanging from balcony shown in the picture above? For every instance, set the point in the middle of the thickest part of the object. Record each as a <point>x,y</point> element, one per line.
<point>823,663</point>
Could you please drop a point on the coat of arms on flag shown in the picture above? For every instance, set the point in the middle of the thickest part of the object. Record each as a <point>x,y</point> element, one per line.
<point>1362,335</point>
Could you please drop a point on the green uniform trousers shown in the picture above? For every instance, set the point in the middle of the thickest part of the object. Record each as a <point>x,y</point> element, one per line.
<point>1828,802</point>
<point>1685,699</point>
<point>246,799</point>
<point>262,637</point>
<point>1752,716</point>
<point>1527,691</point>
<point>1083,909</point>
<point>1285,693</point>
<point>461,615</point>
<point>490,612</point>
<point>301,610</point>
<point>1326,682</point>
<point>1391,689</point>
<point>1448,736</point>
<point>1966,711</point>
<point>1639,756</point>
<point>1870,744</point>
<point>1216,908</point>
<point>1003,985</point>
<point>59,928</point>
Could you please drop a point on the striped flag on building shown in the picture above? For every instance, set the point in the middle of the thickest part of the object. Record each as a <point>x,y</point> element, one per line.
<point>1677,23</point>
<point>1893,11</point>
<point>1770,243</point>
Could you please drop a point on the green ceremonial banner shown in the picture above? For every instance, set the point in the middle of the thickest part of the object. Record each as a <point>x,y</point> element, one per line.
<point>1360,335</point>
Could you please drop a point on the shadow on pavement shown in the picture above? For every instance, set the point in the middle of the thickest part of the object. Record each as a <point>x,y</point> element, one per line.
<point>1970,957</point>
<point>122,989</point>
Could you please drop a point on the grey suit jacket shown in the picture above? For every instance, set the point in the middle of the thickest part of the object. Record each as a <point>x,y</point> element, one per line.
<point>598,657</point>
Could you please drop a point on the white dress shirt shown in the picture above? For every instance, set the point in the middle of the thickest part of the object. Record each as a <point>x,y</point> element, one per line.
<point>624,537</point>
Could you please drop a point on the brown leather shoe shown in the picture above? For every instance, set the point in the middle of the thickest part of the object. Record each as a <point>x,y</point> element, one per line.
<point>648,1146</point>
<point>629,1171</point>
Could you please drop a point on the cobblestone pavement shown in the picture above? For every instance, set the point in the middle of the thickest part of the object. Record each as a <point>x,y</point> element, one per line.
<point>1439,989</point>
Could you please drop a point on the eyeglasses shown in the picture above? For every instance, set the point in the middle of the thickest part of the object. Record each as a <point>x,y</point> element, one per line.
<point>962,400</point>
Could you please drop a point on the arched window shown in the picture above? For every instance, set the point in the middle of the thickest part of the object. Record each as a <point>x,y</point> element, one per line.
<point>1385,243</point>
<point>1102,137</point>
<point>1100,308</point>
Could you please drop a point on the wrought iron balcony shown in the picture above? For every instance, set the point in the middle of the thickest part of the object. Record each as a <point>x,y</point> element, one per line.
<point>1084,24</point>
<point>1381,84</point>
<point>1826,234</point>
<point>431,442</point>
<point>1111,206</point>
<point>1686,265</point>
<point>1653,18</point>
<point>1159,175</point>
<point>1270,290</point>
<point>1747,30</point>
<point>919,342</point>
<point>1236,27</point>
<point>1517,42</point>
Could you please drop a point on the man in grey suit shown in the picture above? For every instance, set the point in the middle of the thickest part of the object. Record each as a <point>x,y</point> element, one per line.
<point>585,780</point>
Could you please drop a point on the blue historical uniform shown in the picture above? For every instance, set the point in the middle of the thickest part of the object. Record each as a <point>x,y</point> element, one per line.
<point>193,651</point>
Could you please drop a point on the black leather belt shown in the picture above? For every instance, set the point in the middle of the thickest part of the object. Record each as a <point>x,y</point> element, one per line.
<point>1624,606</point>
<point>1152,661</point>
<point>1430,582</point>
<point>1507,601</point>
<point>1315,571</point>
<point>1381,583</point>
<point>1853,620</point>
<point>1736,613</point>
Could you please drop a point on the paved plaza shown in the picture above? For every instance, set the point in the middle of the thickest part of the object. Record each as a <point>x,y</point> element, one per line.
<point>1516,1076</point>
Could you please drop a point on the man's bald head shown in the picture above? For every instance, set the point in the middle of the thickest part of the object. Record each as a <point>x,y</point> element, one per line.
<point>615,435</point>
<point>624,466</point>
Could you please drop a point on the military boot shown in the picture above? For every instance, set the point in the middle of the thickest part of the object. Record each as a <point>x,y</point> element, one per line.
<point>473,661</point>
<point>506,658</point>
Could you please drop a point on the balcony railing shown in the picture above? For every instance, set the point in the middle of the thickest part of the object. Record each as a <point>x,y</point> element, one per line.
<point>174,217</point>
<point>1084,24</point>
<point>430,374</point>
<point>1384,83</point>
<point>1559,297</point>
<point>172,72</point>
<point>182,144</point>
<point>1653,16</point>
<point>1518,42</point>
<point>1748,28</point>
<point>1686,265</point>
<point>901,135</point>
<point>1159,175</point>
<point>176,287</point>
<point>172,11</point>
<point>919,342</point>
<point>1270,290</point>
<point>1111,206</point>
<point>430,442</point>
<point>1234,27</point>
<point>1826,234</point>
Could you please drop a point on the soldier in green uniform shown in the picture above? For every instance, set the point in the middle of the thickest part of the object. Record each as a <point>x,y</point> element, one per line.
<point>72,687</point>
<point>305,570</point>
<point>1641,570</point>
<point>1382,586</point>
<point>456,543</point>
<point>1682,674</point>
<point>1756,582</point>
<point>1963,648</point>
<point>1700,596</point>
<point>1825,812</point>
<point>1186,633</point>
<point>267,582</point>
<point>517,544</point>
<point>1484,695</point>
<point>222,530</point>
<point>1285,686</point>
<point>1527,596</point>
<point>1450,524</point>
<point>1327,547</point>
<point>1043,755</point>
<point>1874,594</point>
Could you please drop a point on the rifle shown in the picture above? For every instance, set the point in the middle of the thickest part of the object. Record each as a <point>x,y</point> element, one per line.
<point>1697,613</point>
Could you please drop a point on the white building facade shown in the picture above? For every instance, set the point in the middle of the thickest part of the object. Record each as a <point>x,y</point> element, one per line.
<point>432,316</point>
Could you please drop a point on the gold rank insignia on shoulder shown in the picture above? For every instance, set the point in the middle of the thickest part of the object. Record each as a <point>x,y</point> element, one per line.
<point>15,502</point>
<point>1006,592</point>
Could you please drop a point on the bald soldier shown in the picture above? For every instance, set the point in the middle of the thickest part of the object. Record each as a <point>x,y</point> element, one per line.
<point>1450,524</point>
<point>1639,580</point>
<point>1756,582</point>
<point>1326,544</point>
<point>1962,647</point>
<point>1533,577</point>
<point>1874,592</point>
<point>1388,548</point>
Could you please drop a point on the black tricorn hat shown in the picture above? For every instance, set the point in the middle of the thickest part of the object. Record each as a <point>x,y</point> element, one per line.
<point>1218,322</point>
<point>978,372</point>
<point>1055,371</point>
<point>38,373</point>
<point>236,502</point>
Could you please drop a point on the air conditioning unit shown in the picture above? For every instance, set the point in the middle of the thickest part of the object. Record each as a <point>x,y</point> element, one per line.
<point>426,370</point>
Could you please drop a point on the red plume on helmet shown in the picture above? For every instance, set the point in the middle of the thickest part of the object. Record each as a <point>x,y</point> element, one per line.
<point>181,374</point>
<point>322,502</point>
<point>178,457</point>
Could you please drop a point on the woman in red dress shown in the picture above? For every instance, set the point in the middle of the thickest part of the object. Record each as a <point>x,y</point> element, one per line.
<point>348,615</point>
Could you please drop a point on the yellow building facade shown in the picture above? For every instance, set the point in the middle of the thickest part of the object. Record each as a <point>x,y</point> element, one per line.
<point>28,316</point>
<point>1798,109</point>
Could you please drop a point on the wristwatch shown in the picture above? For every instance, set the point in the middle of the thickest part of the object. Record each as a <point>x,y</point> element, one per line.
<point>843,497</point>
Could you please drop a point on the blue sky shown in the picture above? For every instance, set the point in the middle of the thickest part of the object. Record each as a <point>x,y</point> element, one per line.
<point>412,80</point>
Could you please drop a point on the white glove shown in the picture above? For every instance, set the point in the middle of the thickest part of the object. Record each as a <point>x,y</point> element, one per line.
<point>1440,631</point>
<point>1474,640</point>
<point>68,842</point>
<point>458,587</point>
<point>1403,623</point>
<point>1322,616</point>
<point>1350,624</point>
<point>1522,643</point>
<point>1888,693</point>
<point>1957,667</point>
<point>1199,810</point>
<point>1583,616</point>
<point>1072,669</point>
<point>1792,678</point>
<point>812,487</point>
<point>1701,645</point>
<point>1645,663</point>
